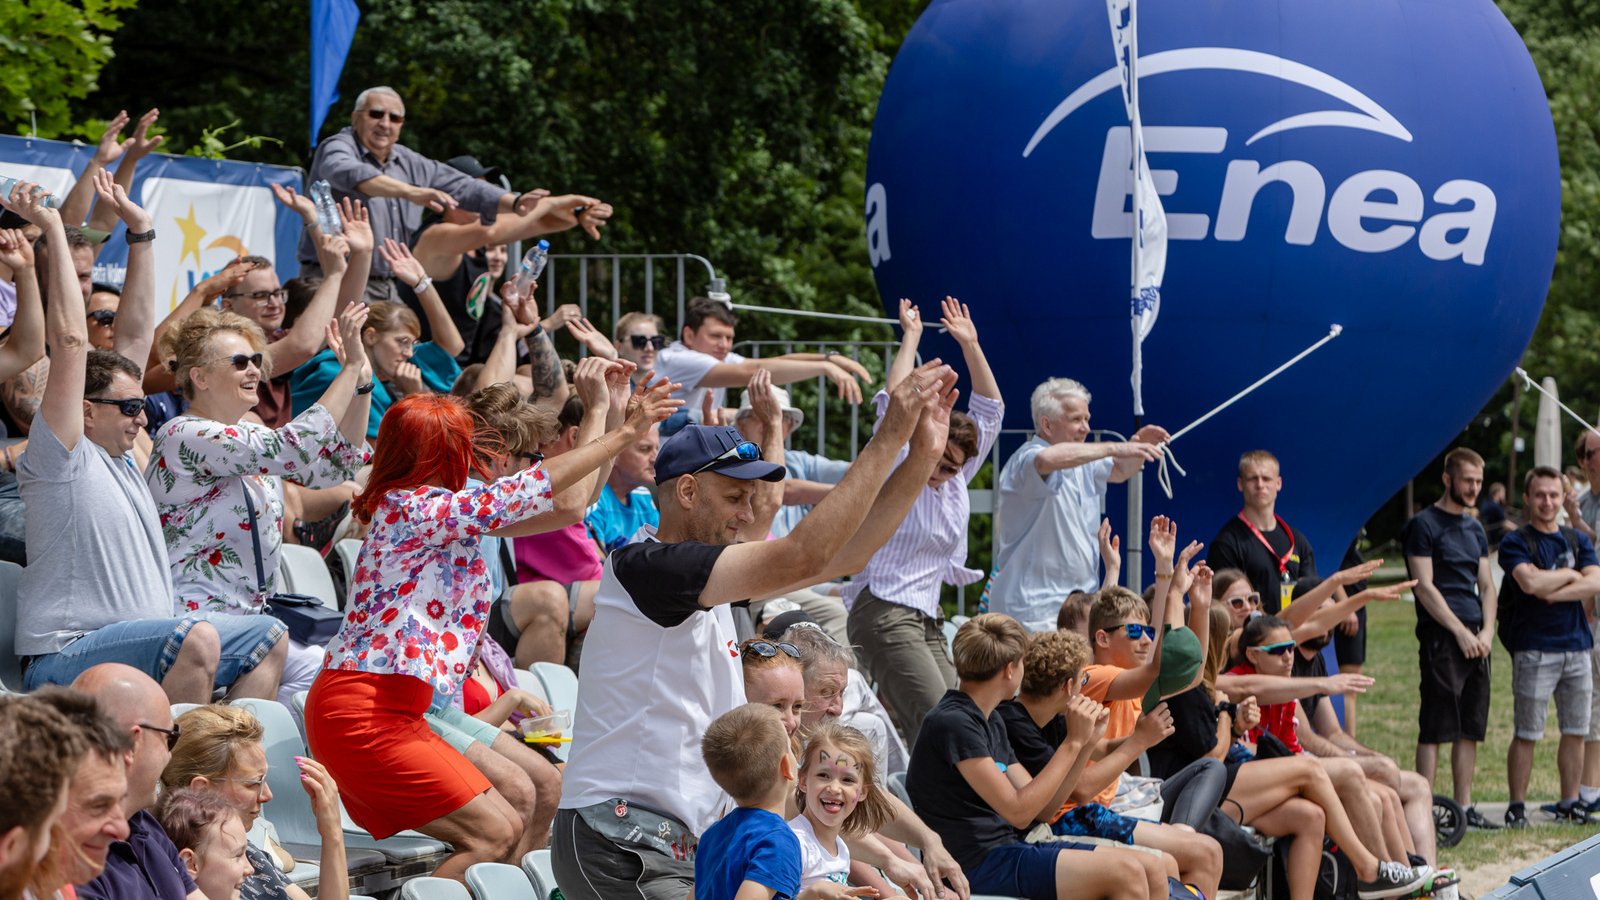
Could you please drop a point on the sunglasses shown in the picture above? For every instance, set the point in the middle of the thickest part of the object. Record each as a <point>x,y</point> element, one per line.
<point>1083,681</point>
<point>1279,649</point>
<point>1248,600</point>
<point>130,407</point>
<point>1134,630</point>
<point>278,294</point>
<point>239,361</point>
<point>769,649</point>
<point>534,457</point>
<point>744,451</point>
<point>396,118</point>
<point>171,733</point>
<point>103,316</point>
<point>639,341</point>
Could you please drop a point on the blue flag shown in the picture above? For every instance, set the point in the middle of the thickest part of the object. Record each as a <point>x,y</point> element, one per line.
<point>333,27</point>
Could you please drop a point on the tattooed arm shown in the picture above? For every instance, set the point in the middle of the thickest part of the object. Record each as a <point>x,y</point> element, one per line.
<point>22,394</point>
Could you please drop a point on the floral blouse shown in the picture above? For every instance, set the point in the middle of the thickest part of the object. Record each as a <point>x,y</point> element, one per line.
<point>419,596</point>
<point>200,471</point>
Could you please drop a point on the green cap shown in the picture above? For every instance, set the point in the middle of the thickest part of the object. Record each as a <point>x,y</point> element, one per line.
<point>1181,657</point>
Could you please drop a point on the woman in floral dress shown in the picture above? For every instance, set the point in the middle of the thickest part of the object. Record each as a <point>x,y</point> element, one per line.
<point>217,478</point>
<point>419,597</point>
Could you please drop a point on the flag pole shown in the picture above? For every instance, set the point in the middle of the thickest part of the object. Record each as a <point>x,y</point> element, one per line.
<point>1134,571</point>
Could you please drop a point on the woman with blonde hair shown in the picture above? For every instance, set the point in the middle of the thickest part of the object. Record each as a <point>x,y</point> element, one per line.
<point>219,752</point>
<point>209,464</point>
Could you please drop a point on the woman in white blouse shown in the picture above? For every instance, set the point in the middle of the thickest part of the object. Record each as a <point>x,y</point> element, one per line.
<point>217,478</point>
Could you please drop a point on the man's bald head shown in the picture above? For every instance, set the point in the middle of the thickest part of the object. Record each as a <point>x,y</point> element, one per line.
<point>137,703</point>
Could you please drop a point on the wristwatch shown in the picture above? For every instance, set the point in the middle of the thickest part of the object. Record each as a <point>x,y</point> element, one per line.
<point>141,237</point>
<point>366,388</point>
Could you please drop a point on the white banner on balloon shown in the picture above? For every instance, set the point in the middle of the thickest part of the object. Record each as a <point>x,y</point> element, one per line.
<point>1149,219</point>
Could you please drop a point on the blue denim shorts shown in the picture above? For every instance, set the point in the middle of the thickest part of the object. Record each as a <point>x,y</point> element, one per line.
<point>1094,820</point>
<point>152,645</point>
<point>458,729</point>
<point>1020,870</point>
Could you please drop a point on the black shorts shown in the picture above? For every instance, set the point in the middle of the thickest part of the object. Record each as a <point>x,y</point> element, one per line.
<point>1455,690</point>
<point>1351,649</point>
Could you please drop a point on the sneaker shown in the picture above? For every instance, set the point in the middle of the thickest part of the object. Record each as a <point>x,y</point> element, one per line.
<point>1572,813</point>
<point>1477,820</point>
<point>1591,807</point>
<point>1516,818</point>
<point>1394,880</point>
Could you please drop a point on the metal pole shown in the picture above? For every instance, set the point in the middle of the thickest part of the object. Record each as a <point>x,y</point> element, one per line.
<point>1132,572</point>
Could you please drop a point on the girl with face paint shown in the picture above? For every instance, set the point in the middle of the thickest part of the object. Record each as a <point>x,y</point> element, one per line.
<point>837,794</point>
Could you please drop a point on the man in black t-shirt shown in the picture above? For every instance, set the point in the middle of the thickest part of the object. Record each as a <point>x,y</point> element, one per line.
<point>1271,553</point>
<point>1447,552</point>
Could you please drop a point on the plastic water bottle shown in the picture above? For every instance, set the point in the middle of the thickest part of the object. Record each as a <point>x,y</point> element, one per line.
<point>51,201</point>
<point>328,221</point>
<point>532,267</point>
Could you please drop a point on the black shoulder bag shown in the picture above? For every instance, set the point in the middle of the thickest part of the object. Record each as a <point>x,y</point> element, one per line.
<point>308,621</point>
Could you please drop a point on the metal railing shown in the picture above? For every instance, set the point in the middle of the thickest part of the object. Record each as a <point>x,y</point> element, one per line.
<point>613,271</point>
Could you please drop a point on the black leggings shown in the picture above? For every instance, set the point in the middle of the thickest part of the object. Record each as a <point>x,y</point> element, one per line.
<point>1189,796</point>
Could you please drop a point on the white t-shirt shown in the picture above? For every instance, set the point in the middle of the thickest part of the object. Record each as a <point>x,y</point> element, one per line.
<point>688,367</point>
<point>1049,543</point>
<point>818,863</point>
<point>662,668</point>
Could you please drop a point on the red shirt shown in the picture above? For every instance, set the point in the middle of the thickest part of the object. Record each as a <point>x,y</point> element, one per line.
<point>1277,718</point>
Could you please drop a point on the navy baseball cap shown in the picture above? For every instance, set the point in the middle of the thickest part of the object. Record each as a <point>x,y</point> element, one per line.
<point>695,446</point>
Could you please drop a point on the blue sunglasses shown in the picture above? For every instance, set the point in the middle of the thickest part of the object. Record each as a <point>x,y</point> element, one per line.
<point>1134,631</point>
<point>744,451</point>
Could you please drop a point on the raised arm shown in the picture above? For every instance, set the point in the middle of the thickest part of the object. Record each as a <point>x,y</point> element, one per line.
<point>768,498</point>
<point>66,329</point>
<point>136,316</point>
<point>157,377</point>
<point>25,346</point>
<point>342,401</point>
<point>1323,620</point>
<point>1307,604</point>
<point>443,329</point>
<point>1128,464</point>
<point>134,149</point>
<point>957,321</point>
<point>501,364</point>
<point>905,358</point>
<point>75,206</point>
<point>1270,689</point>
<point>1132,683</point>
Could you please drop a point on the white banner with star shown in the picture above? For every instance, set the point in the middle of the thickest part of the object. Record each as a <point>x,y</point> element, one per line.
<point>206,212</point>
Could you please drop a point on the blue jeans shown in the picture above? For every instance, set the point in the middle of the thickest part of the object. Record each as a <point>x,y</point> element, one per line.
<point>152,645</point>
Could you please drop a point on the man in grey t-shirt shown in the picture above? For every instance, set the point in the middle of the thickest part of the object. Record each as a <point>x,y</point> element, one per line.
<point>96,587</point>
<point>1583,513</point>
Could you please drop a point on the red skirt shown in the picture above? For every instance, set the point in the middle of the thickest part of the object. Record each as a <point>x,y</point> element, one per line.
<point>393,772</point>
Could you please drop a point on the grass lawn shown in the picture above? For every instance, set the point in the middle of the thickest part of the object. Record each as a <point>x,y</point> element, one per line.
<point>1387,721</point>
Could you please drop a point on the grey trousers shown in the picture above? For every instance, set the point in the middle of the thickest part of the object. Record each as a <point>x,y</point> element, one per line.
<point>589,866</point>
<point>904,653</point>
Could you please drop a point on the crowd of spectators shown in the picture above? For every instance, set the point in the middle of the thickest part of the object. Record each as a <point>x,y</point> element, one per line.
<point>769,703</point>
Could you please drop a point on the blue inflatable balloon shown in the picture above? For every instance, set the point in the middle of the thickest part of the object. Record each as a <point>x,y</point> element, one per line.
<point>1386,166</point>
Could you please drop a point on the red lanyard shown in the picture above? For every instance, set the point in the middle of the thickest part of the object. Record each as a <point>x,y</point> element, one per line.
<point>1283,561</point>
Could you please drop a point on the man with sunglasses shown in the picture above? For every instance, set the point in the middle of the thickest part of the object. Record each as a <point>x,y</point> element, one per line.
<point>636,793</point>
<point>146,863</point>
<point>366,162</point>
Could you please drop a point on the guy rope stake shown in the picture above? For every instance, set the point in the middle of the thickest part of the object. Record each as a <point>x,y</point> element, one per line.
<point>1166,447</point>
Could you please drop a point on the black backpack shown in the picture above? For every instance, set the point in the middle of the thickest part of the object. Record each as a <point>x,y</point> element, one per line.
<point>1336,878</point>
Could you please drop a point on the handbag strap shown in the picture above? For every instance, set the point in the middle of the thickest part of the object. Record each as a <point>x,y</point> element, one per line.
<point>255,538</point>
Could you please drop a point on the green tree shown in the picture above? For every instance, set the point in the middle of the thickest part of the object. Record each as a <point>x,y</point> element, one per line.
<point>51,53</point>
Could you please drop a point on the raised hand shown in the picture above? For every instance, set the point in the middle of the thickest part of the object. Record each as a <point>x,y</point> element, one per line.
<point>110,148</point>
<point>933,428</point>
<point>1152,434</point>
<point>1180,569</point>
<point>227,278</point>
<point>512,319</point>
<point>957,321</point>
<point>590,336</point>
<point>651,403</point>
<point>763,402</point>
<point>357,229</point>
<point>1110,546</point>
<point>303,206</point>
<point>590,382</point>
<point>401,262</point>
<point>141,145</point>
<point>1348,683</point>
<point>137,220</point>
<point>432,198</point>
<point>1163,540</point>
<point>564,313</point>
<point>333,253</point>
<point>851,366</point>
<point>529,201</point>
<point>910,320</point>
<point>909,398</point>
<point>710,413</point>
<point>1200,580</point>
<point>344,337</point>
<point>16,252</point>
<point>322,789</point>
<point>844,382</point>
<point>1347,577</point>
<point>27,200</point>
<point>619,378</point>
<point>593,218</point>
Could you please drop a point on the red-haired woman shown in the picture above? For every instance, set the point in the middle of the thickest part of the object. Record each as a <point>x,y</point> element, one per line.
<point>418,600</point>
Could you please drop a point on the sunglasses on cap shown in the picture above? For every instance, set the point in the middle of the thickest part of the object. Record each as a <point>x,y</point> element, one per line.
<point>130,407</point>
<point>172,733</point>
<point>1252,599</point>
<point>240,361</point>
<point>396,118</point>
<point>103,316</point>
<point>1279,649</point>
<point>1134,630</point>
<point>639,341</point>
<point>769,649</point>
<point>744,451</point>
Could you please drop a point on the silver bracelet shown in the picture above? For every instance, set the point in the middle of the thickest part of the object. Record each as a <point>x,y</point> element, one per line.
<point>422,285</point>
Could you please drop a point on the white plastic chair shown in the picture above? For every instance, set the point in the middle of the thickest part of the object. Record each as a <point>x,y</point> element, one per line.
<point>498,881</point>
<point>430,888</point>
<point>950,629</point>
<point>305,572</point>
<point>531,683</point>
<point>539,869</point>
<point>10,663</point>
<point>348,549</point>
<point>561,692</point>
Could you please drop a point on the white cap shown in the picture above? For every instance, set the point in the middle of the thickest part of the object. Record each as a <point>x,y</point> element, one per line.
<point>789,410</point>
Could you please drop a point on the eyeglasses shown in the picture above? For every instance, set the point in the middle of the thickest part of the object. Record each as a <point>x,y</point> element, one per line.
<point>1279,649</point>
<point>278,294</point>
<point>257,786</point>
<point>769,649</point>
<point>130,407</point>
<point>103,316</point>
<point>240,361</point>
<point>746,451</point>
<point>1134,631</point>
<point>1247,600</point>
<point>948,470</point>
<point>654,340</point>
<point>171,733</point>
<point>396,118</point>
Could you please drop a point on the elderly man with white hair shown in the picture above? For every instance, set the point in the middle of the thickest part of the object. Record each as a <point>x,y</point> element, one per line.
<point>1050,494</point>
<point>367,162</point>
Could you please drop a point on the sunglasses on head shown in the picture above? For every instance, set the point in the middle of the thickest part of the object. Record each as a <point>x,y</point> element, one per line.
<point>769,649</point>
<point>240,361</point>
<point>639,341</point>
<point>1252,599</point>
<point>1134,630</point>
<point>745,451</point>
<point>130,407</point>
<point>103,316</point>
<point>396,118</point>
<point>1278,649</point>
<point>171,733</point>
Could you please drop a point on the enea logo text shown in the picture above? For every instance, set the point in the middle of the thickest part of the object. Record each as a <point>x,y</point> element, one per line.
<point>1372,211</point>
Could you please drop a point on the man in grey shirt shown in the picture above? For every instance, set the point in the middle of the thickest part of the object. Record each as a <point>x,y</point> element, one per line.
<point>1583,513</point>
<point>367,162</point>
<point>96,588</point>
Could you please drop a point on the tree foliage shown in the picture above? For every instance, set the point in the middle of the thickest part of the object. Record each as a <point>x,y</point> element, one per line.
<point>51,53</point>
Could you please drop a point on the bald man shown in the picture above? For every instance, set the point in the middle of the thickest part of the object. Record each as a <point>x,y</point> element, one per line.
<point>146,864</point>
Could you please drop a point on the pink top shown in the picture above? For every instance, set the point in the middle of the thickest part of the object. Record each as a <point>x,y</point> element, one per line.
<point>563,556</point>
<point>419,596</point>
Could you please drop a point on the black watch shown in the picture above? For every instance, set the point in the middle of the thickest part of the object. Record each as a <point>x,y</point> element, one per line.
<point>1232,709</point>
<point>366,388</point>
<point>142,236</point>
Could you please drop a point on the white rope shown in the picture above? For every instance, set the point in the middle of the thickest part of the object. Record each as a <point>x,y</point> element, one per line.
<point>845,317</point>
<point>1166,447</point>
<point>1528,380</point>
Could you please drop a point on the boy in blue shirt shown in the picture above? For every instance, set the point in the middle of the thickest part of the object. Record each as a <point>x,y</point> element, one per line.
<point>751,853</point>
